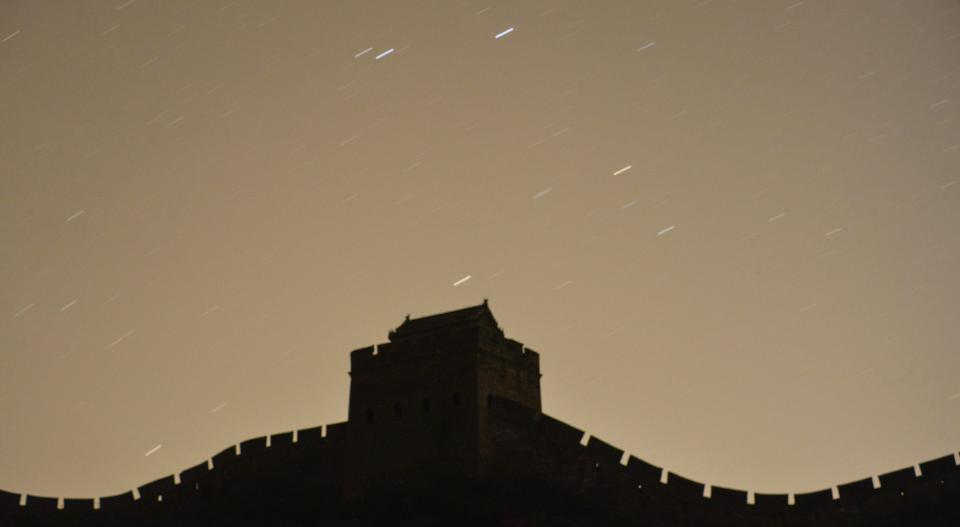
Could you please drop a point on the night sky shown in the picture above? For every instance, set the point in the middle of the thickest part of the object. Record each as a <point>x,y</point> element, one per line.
<point>730,228</point>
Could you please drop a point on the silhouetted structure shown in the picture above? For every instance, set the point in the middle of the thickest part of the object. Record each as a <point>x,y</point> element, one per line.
<point>445,428</point>
<point>422,401</point>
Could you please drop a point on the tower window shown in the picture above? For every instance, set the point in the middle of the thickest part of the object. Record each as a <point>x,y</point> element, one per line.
<point>456,399</point>
<point>369,415</point>
<point>397,410</point>
<point>426,405</point>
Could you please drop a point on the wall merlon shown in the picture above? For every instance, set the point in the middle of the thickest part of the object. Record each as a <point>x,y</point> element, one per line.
<point>384,349</point>
<point>310,435</point>
<point>683,487</point>
<point>360,357</point>
<point>365,351</point>
<point>898,480</point>
<point>42,503</point>
<point>727,497</point>
<point>78,504</point>
<point>281,440</point>
<point>513,346</point>
<point>337,431</point>
<point>531,359</point>
<point>643,472</point>
<point>8,500</point>
<point>856,490</point>
<point>814,500</point>
<point>225,458</point>
<point>162,486</point>
<point>193,474</point>
<point>382,355</point>
<point>770,501</point>
<point>118,502</point>
<point>941,467</point>
<point>603,452</point>
<point>253,446</point>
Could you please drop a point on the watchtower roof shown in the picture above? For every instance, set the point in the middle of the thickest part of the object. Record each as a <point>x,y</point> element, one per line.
<point>473,315</point>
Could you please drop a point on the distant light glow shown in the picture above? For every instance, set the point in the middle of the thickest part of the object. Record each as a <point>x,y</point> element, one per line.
<point>504,32</point>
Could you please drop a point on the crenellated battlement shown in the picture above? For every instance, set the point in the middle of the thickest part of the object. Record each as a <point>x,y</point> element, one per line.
<point>560,453</point>
<point>928,484</point>
<point>247,462</point>
<point>450,410</point>
<point>438,344</point>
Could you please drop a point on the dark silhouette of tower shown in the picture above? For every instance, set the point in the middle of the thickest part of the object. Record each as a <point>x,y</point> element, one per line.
<point>419,404</point>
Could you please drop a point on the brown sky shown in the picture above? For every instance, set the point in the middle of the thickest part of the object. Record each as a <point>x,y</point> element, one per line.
<point>204,206</point>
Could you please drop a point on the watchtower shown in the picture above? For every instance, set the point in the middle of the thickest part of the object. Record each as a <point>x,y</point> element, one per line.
<point>419,403</point>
